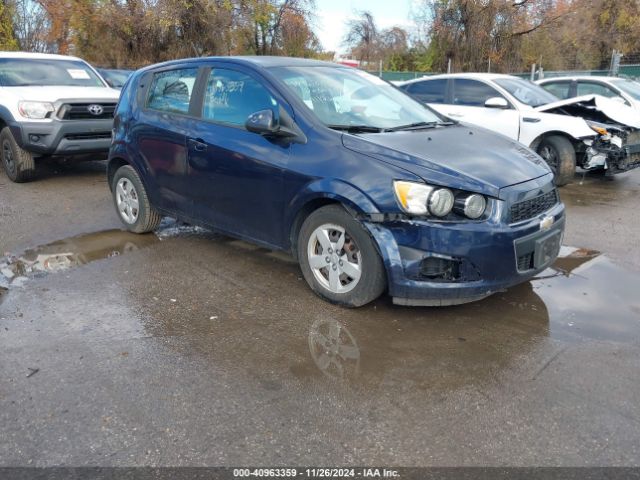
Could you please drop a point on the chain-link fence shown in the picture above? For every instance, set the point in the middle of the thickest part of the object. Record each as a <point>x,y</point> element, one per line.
<point>627,66</point>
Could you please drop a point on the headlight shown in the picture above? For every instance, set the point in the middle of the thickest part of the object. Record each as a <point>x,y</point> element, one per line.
<point>474,206</point>
<point>441,202</point>
<point>412,196</point>
<point>35,109</point>
<point>420,199</point>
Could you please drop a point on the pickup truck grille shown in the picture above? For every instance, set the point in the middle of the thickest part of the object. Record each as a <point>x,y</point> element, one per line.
<point>530,208</point>
<point>88,136</point>
<point>83,111</point>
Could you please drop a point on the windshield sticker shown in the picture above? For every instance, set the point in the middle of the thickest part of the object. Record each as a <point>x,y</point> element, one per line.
<point>78,74</point>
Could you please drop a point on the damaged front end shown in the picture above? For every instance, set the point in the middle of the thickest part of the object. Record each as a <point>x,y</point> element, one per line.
<point>616,148</point>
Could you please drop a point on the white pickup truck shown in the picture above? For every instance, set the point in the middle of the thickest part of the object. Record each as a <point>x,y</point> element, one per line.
<point>51,106</point>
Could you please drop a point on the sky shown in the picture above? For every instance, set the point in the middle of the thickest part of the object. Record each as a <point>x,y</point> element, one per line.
<point>331,16</point>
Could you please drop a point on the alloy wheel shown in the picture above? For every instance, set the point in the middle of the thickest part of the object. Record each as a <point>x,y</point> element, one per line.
<point>334,258</point>
<point>127,201</point>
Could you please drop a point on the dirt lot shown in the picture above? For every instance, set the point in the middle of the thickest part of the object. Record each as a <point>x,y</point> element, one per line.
<point>188,348</point>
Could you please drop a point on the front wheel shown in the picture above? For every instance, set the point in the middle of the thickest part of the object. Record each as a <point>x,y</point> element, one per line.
<point>560,155</point>
<point>132,203</point>
<point>18,163</point>
<point>338,258</point>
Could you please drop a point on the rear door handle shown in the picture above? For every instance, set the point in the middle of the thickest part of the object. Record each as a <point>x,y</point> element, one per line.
<point>197,144</point>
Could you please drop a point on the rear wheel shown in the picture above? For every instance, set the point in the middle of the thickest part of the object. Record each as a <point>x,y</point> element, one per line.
<point>18,163</point>
<point>338,258</point>
<point>132,203</point>
<point>560,155</point>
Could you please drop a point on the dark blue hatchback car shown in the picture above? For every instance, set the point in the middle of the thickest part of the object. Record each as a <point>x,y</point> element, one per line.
<point>370,190</point>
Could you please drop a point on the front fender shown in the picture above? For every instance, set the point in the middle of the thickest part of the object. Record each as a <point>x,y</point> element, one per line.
<point>328,189</point>
<point>573,127</point>
<point>333,189</point>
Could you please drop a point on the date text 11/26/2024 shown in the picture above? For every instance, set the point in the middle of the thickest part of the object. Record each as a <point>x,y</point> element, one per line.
<point>315,473</point>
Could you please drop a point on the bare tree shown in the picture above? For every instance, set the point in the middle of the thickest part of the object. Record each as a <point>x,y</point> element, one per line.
<point>362,37</point>
<point>31,26</point>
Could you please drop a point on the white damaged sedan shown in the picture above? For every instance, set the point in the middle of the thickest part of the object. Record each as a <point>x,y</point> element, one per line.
<point>591,132</point>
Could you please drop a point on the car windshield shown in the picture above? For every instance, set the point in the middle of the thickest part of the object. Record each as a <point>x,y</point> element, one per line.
<point>352,99</point>
<point>629,87</point>
<point>116,78</point>
<point>21,72</point>
<point>527,92</point>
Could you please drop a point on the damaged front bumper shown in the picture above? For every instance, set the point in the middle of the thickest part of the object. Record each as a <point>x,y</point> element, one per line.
<point>438,263</point>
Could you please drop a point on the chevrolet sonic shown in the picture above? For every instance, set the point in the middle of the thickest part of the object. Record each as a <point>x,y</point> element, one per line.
<point>368,189</point>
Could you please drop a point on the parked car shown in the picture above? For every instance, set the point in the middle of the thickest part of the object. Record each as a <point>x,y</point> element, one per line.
<point>369,189</point>
<point>590,131</point>
<point>116,78</point>
<point>51,106</point>
<point>622,90</point>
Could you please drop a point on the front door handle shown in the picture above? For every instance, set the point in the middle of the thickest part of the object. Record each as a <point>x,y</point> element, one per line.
<point>197,144</point>
<point>456,115</point>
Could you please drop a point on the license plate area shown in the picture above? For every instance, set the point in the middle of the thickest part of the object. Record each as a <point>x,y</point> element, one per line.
<point>538,250</point>
<point>546,249</point>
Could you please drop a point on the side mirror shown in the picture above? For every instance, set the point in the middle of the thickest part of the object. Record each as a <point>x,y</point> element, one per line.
<point>270,123</point>
<point>496,102</point>
<point>263,122</point>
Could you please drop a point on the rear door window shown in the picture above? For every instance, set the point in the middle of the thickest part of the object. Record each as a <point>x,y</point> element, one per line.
<point>593,88</point>
<point>429,91</point>
<point>559,89</point>
<point>472,93</point>
<point>171,90</point>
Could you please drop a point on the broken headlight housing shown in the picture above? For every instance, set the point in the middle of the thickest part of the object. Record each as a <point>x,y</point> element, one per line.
<point>420,199</point>
<point>599,128</point>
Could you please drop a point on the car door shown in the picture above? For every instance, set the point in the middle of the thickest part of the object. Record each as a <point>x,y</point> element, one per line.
<point>467,104</point>
<point>235,175</point>
<point>160,134</point>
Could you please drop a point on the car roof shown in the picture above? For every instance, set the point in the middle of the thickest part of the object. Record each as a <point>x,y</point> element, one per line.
<point>256,61</point>
<point>37,56</point>
<point>476,76</point>
<point>602,78</point>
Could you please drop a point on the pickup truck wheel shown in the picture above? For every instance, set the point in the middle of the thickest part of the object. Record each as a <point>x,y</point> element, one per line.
<point>338,258</point>
<point>132,203</point>
<point>560,155</point>
<point>18,163</point>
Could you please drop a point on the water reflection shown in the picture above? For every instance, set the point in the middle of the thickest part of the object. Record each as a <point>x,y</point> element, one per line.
<point>333,349</point>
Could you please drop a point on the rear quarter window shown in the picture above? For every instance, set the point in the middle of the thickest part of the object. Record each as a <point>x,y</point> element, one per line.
<point>171,90</point>
<point>428,91</point>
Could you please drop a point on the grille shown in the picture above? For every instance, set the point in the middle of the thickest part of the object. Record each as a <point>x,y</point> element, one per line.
<point>88,136</point>
<point>525,262</point>
<point>80,111</point>
<point>532,207</point>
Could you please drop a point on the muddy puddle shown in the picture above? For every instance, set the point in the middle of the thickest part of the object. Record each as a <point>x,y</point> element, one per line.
<point>69,253</point>
<point>73,252</point>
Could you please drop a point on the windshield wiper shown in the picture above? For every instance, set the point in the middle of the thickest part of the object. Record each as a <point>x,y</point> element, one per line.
<point>356,128</point>
<point>417,126</point>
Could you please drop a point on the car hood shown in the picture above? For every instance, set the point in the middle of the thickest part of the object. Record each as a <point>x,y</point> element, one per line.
<point>56,93</point>
<point>457,156</point>
<point>593,107</point>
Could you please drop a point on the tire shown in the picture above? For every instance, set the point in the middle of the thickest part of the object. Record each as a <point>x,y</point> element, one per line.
<point>560,155</point>
<point>357,254</point>
<point>18,163</point>
<point>132,202</point>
